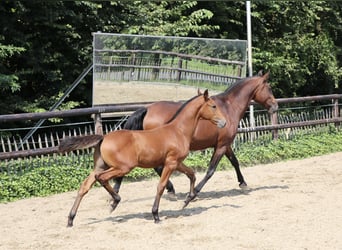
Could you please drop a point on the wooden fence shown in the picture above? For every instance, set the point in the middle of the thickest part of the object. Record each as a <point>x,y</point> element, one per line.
<point>152,65</point>
<point>285,123</point>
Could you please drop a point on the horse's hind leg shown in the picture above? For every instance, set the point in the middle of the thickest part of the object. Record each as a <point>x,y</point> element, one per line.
<point>117,184</point>
<point>215,159</point>
<point>86,185</point>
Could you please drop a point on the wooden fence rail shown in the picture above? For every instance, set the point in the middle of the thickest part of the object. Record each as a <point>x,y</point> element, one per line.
<point>47,144</point>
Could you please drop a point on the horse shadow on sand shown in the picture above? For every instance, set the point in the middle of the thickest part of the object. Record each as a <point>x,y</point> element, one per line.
<point>189,210</point>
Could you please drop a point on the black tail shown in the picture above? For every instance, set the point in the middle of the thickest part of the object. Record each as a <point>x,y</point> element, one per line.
<point>78,142</point>
<point>136,120</point>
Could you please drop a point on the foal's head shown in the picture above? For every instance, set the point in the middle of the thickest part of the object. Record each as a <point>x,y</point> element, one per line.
<point>210,111</point>
<point>264,95</point>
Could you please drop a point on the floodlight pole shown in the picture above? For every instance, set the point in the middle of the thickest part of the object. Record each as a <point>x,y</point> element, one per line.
<point>249,54</point>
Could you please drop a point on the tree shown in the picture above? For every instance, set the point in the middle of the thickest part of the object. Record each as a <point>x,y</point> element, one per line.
<point>293,40</point>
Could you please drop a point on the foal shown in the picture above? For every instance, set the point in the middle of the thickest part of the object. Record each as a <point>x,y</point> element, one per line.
<point>118,152</point>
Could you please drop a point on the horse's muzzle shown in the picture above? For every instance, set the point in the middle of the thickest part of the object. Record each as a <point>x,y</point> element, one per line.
<point>221,123</point>
<point>273,108</point>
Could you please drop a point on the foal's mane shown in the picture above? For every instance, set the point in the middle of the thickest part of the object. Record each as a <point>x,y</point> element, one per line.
<point>182,107</point>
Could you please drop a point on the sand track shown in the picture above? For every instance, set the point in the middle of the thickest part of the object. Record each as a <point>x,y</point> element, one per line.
<point>290,205</point>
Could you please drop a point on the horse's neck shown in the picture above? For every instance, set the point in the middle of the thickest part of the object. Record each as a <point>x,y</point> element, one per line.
<point>239,99</point>
<point>187,119</point>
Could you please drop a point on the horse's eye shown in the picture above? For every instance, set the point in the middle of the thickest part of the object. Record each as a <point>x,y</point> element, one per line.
<point>214,106</point>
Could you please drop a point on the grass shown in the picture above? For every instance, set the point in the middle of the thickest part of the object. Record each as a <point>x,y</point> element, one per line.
<point>67,176</point>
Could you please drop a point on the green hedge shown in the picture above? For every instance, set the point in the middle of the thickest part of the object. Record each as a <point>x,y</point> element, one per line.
<point>53,179</point>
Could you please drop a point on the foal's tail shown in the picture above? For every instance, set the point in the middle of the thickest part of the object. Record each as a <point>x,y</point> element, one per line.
<point>135,121</point>
<point>79,142</point>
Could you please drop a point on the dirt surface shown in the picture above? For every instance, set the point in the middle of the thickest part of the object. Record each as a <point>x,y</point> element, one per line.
<point>107,92</point>
<point>290,205</point>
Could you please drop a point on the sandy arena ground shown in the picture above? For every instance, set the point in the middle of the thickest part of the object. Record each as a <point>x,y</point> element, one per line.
<point>290,205</point>
<point>107,92</point>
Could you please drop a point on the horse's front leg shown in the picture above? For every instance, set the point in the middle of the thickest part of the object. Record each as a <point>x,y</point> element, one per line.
<point>167,171</point>
<point>85,186</point>
<point>215,159</point>
<point>234,161</point>
<point>169,186</point>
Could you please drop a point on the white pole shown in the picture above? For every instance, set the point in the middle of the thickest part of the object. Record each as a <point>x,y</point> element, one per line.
<point>249,60</point>
<point>249,38</point>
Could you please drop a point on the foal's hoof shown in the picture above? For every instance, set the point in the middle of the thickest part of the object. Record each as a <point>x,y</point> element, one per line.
<point>156,218</point>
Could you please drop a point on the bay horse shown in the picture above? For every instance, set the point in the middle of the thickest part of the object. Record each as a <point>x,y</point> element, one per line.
<point>118,152</point>
<point>233,103</point>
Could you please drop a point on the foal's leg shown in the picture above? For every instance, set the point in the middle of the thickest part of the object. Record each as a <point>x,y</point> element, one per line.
<point>234,161</point>
<point>104,178</point>
<point>86,185</point>
<point>169,186</point>
<point>191,174</point>
<point>215,159</point>
<point>160,189</point>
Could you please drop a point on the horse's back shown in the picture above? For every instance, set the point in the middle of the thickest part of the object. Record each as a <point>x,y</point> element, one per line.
<point>159,113</point>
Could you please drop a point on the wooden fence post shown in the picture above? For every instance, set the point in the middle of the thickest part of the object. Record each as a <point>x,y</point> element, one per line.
<point>274,121</point>
<point>336,111</point>
<point>179,72</point>
<point>98,124</point>
<point>132,69</point>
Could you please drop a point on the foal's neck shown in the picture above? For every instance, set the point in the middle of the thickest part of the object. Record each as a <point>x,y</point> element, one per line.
<point>187,119</point>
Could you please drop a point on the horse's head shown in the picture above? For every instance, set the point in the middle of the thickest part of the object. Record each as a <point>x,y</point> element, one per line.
<point>210,111</point>
<point>263,94</point>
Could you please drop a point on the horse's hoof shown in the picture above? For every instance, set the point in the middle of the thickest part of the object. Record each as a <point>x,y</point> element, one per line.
<point>243,186</point>
<point>188,199</point>
<point>113,206</point>
<point>156,219</point>
<point>171,196</point>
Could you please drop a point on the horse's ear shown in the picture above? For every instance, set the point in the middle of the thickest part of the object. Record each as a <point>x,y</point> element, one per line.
<point>206,95</point>
<point>266,76</point>
<point>199,92</point>
<point>260,73</point>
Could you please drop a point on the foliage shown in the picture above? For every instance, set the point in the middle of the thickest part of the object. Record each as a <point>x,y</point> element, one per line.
<point>56,178</point>
<point>45,45</point>
<point>8,82</point>
<point>41,182</point>
<point>297,42</point>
